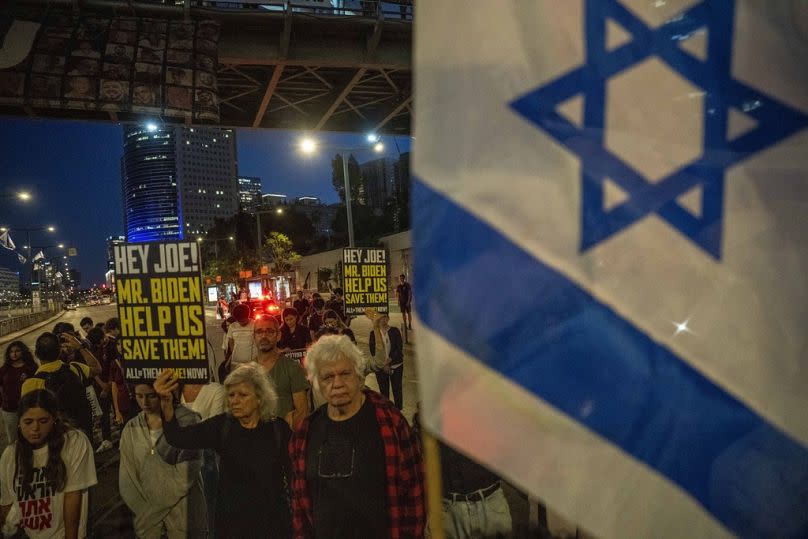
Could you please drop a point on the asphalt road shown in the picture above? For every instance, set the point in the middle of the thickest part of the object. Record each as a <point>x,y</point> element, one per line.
<point>99,313</point>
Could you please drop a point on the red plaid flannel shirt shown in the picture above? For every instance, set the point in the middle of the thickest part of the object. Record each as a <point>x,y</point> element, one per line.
<point>406,508</point>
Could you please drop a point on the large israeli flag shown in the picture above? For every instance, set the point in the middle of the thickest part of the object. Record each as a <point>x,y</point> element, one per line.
<point>611,255</point>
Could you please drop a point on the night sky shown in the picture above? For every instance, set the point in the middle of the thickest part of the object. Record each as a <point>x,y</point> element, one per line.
<point>72,170</point>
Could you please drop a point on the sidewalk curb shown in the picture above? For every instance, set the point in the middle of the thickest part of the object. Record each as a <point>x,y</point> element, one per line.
<point>16,335</point>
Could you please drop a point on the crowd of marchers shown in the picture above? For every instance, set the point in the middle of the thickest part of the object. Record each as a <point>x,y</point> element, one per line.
<point>279,449</point>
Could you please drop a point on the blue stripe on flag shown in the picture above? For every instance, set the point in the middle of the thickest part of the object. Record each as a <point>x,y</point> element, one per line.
<point>535,326</point>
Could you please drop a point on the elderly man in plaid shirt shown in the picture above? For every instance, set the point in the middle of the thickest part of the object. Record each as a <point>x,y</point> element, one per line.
<point>356,464</point>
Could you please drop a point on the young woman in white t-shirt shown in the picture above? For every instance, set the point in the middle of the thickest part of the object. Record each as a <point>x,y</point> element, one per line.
<point>45,474</point>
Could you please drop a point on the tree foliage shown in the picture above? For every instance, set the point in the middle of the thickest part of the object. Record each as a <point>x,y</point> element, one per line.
<point>281,252</point>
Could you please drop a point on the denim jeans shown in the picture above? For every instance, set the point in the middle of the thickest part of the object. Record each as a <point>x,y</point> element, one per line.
<point>488,518</point>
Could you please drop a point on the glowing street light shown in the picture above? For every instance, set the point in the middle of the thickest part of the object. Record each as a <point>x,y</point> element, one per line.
<point>151,127</point>
<point>51,229</point>
<point>308,145</point>
<point>19,195</point>
<point>279,211</point>
<point>61,246</point>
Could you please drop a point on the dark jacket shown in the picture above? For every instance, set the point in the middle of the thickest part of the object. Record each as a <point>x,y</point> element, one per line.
<point>396,351</point>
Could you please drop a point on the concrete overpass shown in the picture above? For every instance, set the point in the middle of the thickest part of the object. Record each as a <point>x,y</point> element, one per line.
<point>281,66</point>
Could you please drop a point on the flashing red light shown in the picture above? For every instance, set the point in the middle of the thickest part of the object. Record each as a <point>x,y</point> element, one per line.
<point>273,308</point>
<point>258,317</point>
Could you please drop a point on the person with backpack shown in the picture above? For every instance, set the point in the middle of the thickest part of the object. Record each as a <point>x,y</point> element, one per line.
<point>123,392</point>
<point>102,386</point>
<point>69,381</point>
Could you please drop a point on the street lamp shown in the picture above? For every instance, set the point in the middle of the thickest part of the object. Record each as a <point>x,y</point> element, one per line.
<point>308,146</point>
<point>24,196</point>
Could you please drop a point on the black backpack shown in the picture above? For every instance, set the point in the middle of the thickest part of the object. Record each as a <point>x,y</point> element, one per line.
<point>70,388</point>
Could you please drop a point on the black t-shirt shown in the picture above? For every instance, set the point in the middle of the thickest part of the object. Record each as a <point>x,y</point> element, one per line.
<point>251,501</point>
<point>404,293</point>
<point>301,306</point>
<point>345,472</point>
<point>299,339</point>
<point>315,321</point>
<point>337,306</point>
<point>461,475</point>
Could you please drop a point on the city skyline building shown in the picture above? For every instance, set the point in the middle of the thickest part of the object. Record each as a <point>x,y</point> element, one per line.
<point>379,180</point>
<point>9,281</point>
<point>149,184</point>
<point>112,241</point>
<point>74,277</point>
<point>307,201</point>
<point>207,172</point>
<point>274,199</point>
<point>321,216</point>
<point>249,193</point>
<point>177,181</point>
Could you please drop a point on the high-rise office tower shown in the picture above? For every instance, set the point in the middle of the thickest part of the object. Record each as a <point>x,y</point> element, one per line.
<point>208,177</point>
<point>177,181</point>
<point>112,241</point>
<point>378,177</point>
<point>249,193</point>
<point>149,183</point>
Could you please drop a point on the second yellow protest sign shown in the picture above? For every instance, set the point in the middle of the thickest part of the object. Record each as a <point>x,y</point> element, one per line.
<point>364,279</point>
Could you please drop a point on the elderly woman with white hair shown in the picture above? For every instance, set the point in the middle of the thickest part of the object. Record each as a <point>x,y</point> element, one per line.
<point>356,465</point>
<point>252,499</point>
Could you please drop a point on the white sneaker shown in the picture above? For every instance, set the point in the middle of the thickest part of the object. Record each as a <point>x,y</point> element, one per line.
<point>106,445</point>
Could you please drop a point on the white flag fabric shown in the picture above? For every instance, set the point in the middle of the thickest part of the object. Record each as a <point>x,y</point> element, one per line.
<point>39,256</point>
<point>610,256</point>
<point>21,258</point>
<point>58,274</point>
<point>5,241</point>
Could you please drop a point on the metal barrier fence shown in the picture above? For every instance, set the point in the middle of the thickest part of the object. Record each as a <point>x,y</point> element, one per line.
<point>19,308</point>
<point>10,325</point>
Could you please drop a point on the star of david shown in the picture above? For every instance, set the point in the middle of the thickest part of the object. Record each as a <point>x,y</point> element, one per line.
<point>775,121</point>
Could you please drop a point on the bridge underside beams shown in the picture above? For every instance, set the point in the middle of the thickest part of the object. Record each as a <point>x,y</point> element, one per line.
<point>319,71</point>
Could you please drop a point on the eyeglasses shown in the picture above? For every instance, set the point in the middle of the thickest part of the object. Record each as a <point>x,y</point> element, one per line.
<point>267,331</point>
